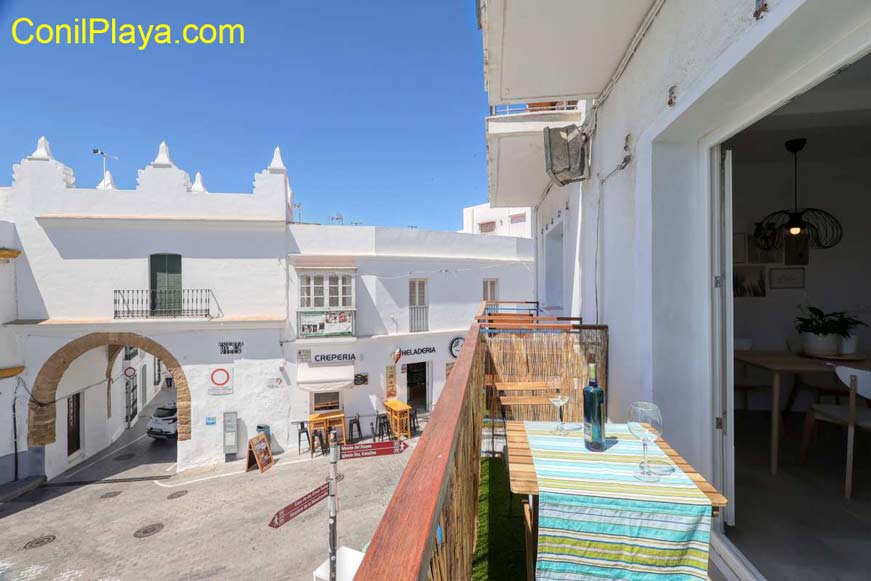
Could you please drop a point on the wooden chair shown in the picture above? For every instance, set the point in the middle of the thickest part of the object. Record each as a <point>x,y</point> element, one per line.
<point>851,416</point>
<point>742,386</point>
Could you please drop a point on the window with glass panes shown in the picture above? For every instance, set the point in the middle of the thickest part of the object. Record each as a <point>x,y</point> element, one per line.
<point>331,291</point>
<point>417,293</point>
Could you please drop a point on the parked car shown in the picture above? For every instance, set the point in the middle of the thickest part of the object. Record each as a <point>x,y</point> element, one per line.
<point>163,424</point>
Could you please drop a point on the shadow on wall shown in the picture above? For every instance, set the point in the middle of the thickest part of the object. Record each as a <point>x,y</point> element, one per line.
<point>366,324</point>
<point>30,302</point>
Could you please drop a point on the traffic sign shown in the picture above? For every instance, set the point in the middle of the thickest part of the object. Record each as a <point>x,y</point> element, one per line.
<point>130,372</point>
<point>373,449</point>
<point>299,506</point>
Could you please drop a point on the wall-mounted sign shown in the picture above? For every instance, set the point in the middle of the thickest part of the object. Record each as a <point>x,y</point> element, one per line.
<point>418,351</point>
<point>230,347</point>
<point>312,324</point>
<point>303,355</point>
<point>221,381</point>
<point>334,357</point>
<point>361,379</point>
<point>390,374</point>
<point>404,368</point>
<point>130,372</point>
<point>275,382</point>
<point>455,346</point>
<point>211,420</point>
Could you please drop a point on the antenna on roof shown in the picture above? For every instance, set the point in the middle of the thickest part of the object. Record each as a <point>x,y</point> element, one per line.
<point>104,155</point>
<point>338,218</point>
<point>298,206</point>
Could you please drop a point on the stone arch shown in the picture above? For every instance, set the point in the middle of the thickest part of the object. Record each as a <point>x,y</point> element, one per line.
<point>42,418</point>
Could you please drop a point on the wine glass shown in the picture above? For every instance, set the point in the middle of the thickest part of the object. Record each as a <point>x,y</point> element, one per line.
<point>558,397</point>
<point>645,423</point>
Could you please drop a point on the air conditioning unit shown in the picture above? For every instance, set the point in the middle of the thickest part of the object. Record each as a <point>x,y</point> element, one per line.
<point>565,154</point>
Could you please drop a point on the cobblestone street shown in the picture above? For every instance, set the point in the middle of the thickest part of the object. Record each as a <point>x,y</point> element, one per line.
<point>127,516</point>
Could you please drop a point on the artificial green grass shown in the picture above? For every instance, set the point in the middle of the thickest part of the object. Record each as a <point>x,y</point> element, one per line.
<point>500,550</point>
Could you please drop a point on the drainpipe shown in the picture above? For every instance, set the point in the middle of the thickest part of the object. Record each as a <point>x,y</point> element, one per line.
<point>15,431</point>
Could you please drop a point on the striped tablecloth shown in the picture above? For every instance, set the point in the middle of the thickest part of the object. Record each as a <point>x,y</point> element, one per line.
<point>597,521</point>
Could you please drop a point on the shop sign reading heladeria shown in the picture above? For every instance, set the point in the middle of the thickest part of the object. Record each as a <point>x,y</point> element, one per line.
<point>221,380</point>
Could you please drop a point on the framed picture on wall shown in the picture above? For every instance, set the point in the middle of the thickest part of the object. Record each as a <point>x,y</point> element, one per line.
<point>756,255</point>
<point>739,248</point>
<point>786,278</point>
<point>748,281</point>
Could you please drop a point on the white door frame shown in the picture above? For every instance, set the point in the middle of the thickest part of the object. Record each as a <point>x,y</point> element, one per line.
<point>723,329</point>
<point>757,74</point>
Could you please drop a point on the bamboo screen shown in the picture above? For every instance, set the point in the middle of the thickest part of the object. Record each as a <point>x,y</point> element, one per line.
<point>533,355</point>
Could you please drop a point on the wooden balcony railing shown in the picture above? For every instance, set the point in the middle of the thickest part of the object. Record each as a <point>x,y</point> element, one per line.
<point>428,530</point>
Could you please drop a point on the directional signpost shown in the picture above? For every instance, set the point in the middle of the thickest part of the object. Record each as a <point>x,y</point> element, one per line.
<point>300,505</point>
<point>365,450</point>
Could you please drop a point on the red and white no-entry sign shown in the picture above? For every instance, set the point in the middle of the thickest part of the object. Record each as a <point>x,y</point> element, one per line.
<point>221,381</point>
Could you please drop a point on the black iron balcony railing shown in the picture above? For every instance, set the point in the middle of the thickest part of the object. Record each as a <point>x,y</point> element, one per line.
<point>150,304</point>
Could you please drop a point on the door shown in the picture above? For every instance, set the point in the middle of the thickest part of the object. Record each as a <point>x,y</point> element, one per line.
<point>165,280</point>
<point>74,423</point>
<point>143,385</point>
<point>130,391</point>
<point>416,381</point>
<point>724,361</point>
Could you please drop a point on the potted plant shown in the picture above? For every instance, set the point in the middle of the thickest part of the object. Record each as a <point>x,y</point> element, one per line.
<point>845,324</point>
<point>819,331</point>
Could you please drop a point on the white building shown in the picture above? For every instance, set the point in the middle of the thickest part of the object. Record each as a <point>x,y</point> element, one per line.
<point>210,284</point>
<point>484,219</point>
<point>386,289</point>
<point>645,243</point>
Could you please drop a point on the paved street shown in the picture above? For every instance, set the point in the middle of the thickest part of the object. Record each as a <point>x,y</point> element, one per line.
<point>210,524</point>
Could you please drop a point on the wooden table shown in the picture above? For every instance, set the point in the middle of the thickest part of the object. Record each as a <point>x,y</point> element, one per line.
<point>780,362</point>
<point>324,421</point>
<point>521,470</point>
<point>399,414</point>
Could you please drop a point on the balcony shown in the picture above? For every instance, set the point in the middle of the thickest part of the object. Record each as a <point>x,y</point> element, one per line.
<point>329,322</point>
<point>418,319</point>
<point>163,304</point>
<point>583,46</point>
<point>433,527</point>
<point>516,173</point>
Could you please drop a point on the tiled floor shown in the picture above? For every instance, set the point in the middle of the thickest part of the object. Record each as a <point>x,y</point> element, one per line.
<point>797,524</point>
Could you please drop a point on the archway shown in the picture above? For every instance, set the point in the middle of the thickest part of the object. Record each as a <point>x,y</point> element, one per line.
<point>42,416</point>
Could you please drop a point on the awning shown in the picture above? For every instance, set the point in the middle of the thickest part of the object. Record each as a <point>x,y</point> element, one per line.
<point>319,379</point>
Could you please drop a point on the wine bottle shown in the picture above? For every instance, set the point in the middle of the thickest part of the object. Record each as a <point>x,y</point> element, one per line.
<point>594,413</point>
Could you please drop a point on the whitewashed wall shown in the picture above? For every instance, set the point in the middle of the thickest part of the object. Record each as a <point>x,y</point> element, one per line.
<point>101,240</point>
<point>558,280</point>
<point>474,216</point>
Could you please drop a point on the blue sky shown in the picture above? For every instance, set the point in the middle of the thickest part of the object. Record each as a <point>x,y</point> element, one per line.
<point>378,107</point>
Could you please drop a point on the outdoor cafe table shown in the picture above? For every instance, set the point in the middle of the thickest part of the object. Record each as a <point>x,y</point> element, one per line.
<point>400,417</point>
<point>778,363</point>
<point>523,480</point>
<point>324,421</point>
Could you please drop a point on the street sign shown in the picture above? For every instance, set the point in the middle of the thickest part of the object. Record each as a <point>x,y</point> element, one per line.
<point>299,506</point>
<point>373,449</point>
<point>130,372</point>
